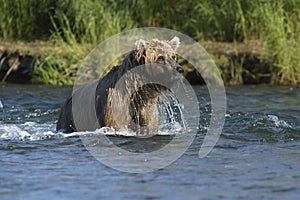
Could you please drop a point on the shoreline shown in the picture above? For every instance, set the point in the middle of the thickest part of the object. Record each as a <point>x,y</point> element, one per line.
<point>45,62</point>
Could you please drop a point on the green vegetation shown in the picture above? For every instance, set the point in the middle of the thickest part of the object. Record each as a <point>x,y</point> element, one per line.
<point>78,26</point>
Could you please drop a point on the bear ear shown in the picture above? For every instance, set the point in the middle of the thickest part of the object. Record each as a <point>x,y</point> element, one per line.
<point>175,42</point>
<point>140,44</point>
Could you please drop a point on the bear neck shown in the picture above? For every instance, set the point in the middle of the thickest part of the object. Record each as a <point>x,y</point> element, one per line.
<point>117,72</point>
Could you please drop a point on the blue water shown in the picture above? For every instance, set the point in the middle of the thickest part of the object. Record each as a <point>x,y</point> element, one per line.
<point>256,157</point>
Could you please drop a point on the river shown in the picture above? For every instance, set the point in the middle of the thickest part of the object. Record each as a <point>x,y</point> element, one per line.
<point>256,157</point>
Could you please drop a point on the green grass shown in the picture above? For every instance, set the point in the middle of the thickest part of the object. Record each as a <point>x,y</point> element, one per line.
<point>73,24</point>
<point>281,32</point>
<point>60,67</point>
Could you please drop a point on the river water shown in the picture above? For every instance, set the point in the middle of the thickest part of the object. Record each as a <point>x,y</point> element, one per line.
<point>256,157</point>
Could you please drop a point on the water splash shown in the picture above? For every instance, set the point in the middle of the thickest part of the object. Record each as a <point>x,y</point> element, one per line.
<point>26,131</point>
<point>20,132</point>
<point>171,114</point>
<point>271,121</point>
<point>171,123</point>
<point>278,122</point>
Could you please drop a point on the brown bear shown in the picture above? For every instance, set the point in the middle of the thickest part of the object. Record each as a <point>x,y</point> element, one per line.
<point>134,106</point>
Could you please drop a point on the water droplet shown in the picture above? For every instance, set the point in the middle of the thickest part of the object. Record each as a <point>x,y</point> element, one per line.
<point>227,115</point>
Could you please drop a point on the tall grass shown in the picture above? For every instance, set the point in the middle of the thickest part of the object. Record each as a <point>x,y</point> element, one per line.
<point>75,23</point>
<point>89,22</point>
<point>25,19</point>
<point>281,31</point>
<point>59,67</point>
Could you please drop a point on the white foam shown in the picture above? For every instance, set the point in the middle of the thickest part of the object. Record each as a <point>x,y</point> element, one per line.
<point>34,131</point>
<point>177,129</point>
<point>278,122</point>
<point>26,131</point>
<point>227,115</point>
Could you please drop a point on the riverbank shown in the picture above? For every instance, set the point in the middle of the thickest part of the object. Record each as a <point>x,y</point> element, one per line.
<point>242,31</point>
<point>50,63</point>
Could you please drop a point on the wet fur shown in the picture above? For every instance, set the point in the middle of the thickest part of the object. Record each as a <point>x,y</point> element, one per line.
<point>113,108</point>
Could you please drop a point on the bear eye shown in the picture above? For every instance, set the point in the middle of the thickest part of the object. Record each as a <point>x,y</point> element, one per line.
<point>161,59</point>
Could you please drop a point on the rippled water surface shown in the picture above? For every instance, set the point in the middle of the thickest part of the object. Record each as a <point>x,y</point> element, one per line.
<point>256,157</point>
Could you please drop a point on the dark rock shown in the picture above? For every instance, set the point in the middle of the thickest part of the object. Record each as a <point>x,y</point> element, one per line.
<point>16,67</point>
